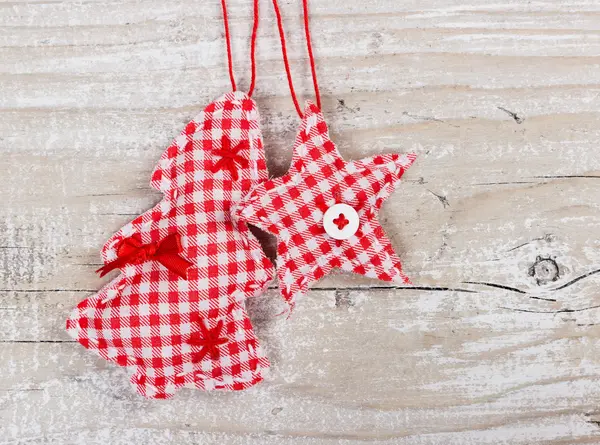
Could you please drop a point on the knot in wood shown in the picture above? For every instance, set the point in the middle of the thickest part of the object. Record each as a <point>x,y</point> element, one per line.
<point>544,270</point>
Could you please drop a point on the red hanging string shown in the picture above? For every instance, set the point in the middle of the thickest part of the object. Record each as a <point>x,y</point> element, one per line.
<point>310,53</point>
<point>253,49</point>
<point>285,57</point>
<point>252,46</point>
<point>228,42</point>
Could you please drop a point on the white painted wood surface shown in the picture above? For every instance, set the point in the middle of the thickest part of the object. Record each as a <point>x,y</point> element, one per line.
<point>493,346</point>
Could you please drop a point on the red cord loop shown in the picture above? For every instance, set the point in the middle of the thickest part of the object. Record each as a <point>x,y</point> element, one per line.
<point>252,46</point>
<point>253,49</point>
<point>310,55</point>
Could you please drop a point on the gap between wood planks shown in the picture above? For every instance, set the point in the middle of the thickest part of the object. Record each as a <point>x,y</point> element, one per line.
<point>362,288</point>
<point>342,300</point>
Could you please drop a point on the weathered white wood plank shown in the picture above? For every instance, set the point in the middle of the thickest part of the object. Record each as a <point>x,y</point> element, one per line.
<point>498,222</point>
<point>462,234</point>
<point>355,365</point>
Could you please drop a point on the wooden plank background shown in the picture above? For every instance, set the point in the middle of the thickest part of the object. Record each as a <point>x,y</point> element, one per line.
<point>498,221</point>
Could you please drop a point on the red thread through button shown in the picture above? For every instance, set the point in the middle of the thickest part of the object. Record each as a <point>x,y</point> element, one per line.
<point>341,221</point>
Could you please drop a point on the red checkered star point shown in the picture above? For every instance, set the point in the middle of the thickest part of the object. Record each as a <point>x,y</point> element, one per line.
<point>292,208</point>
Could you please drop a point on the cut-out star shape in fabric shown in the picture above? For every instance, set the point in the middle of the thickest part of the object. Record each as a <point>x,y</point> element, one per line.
<point>292,208</point>
<point>187,261</point>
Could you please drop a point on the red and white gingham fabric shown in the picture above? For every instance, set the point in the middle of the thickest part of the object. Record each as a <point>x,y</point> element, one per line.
<point>292,208</point>
<point>190,332</point>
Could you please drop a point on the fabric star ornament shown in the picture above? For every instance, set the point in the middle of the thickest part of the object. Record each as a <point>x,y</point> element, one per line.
<point>295,208</point>
<point>176,312</point>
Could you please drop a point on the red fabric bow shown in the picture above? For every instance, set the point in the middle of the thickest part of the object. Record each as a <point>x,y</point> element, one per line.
<point>132,251</point>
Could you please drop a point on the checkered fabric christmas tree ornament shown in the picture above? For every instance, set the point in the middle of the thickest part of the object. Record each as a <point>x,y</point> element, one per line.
<point>296,207</point>
<point>176,313</point>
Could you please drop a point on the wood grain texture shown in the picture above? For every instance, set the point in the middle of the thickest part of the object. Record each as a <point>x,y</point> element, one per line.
<point>497,223</point>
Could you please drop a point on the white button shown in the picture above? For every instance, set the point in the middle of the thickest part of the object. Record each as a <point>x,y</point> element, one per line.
<point>340,221</point>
